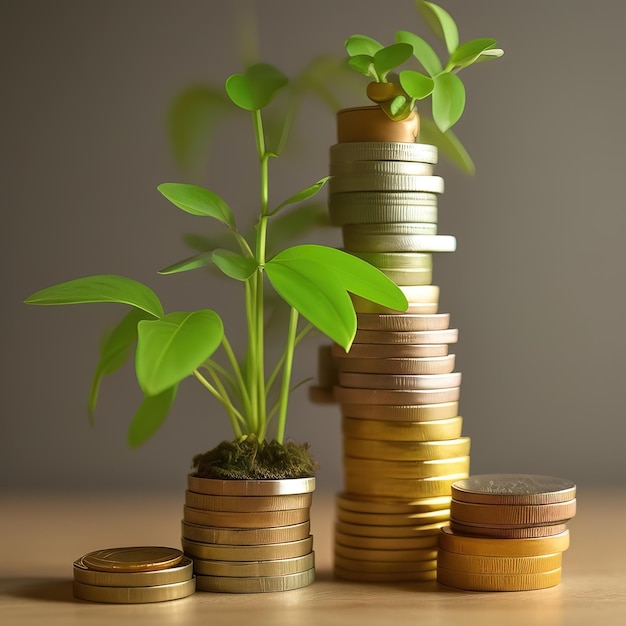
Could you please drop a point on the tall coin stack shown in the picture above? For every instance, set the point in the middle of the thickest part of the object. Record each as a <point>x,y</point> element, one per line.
<point>249,536</point>
<point>507,532</point>
<point>396,386</point>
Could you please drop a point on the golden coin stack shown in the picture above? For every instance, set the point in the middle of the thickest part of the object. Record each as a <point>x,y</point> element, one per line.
<point>397,386</point>
<point>133,575</point>
<point>507,532</point>
<point>249,536</point>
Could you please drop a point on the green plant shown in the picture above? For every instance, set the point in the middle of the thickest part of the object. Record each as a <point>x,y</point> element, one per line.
<point>313,280</point>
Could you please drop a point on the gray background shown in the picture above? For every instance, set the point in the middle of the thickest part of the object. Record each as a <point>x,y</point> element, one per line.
<point>536,286</point>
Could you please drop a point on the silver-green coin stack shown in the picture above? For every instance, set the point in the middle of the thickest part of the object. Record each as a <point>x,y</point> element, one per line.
<point>397,387</point>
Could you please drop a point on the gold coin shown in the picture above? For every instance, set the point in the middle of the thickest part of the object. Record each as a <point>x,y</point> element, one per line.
<point>422,299</point>
<point>409,276</point>
<point>524,532</point>
<point>385,577</point>
<point>393,519</point>
<point>134,595</point>
<point>260,519</point>
<point>412,382</point>
<point>350,502</point>
<point>512,515</point>
<point>406,451</point>
<point>245,536</point>
<point>380,168</point>
<point>132,559</point>
<point>177,574</point>
<point>449,335</point>
<point>403,322</point>
<point>241,569</point>
<point>402,413</point>
<point>384,351</point>
<point>434,365</point>
<point>398,261</point>
<point>514,489</point>
<point>214,552</point>
<point>355,395</point>
<point>385,543</point>
<point>401,487</point>
<point>216,487</point>
<point>498,582</point>
<point>255,584</point>
<point>428,532</point>
<point>486,546</point>
<point>434,430</point>
<point>248,504</point>
<point>406,470</point>
<point>416,554</point>
<point>475,564</point>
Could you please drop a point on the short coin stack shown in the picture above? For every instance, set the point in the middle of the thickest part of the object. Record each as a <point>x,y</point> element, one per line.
<point>396,386</point>
<point>133,575</point>
<point>249,536</point>
<point>507,532</point>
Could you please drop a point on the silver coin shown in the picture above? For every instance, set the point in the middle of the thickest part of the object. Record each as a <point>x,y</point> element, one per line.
<point>391,182</point>
<point>407,228</point>
<point>381,168</point>
<point>340,215</point>
<point>397,260</point>
<point>398,243</point>
<point>383,151</point>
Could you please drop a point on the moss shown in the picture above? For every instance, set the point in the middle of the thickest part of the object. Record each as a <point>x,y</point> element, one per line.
<point>252,459</point>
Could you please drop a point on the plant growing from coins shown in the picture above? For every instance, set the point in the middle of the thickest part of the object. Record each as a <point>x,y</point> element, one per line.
<point>313,281</point>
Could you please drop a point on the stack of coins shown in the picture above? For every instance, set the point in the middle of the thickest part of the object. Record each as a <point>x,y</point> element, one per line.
<point>507,532</point>
<point>133,575</point>
<point>249,536</point>
<point>397,386</point>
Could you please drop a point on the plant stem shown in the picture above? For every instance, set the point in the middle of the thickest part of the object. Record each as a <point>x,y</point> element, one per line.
<point>251,357</point>
<point>245,398</point>
<point>299,337</point>
<point>284,390</point>
<point>233,414</point>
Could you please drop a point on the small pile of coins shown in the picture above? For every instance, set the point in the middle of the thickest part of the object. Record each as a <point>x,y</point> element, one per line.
<point>249,536</point>
<point>507,532</point>
<point>397,386</point>
<point>133,575</point>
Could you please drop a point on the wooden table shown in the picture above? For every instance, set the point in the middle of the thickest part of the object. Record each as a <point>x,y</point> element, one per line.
<point>43,534</point>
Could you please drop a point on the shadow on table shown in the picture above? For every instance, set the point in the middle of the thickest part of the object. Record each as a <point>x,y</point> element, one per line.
<point>46,590</point>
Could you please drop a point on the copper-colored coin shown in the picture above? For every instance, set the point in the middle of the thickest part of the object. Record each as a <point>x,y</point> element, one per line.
<point>354,395</point>
<point>275,567</point>
<point>508,533</point>
<point>417,554</point>
<point>213,552</point>
<point>512,515</point>
<point>514,489</point>
<point>261,519</point>
<point>213,486</point>
<point>487,546</point>
<point>388,430</point>
<point>384,577</point>
<point>255,584</point>
<point>412,382</point>
<point>498,582</point>
<point>475,564</point>
<point>402,323</point>
<point>434,365</point>
<point>385,351</point>
<point>449,335</point>
<point>384,543</point>
<point>402,413</point>
<point>179,573</point>
<point>429,533</point>
<point>401,488</point>
<point>134,595</point>
<point>351,502</point>
<point>248,504</point>
<point>406,451</point>
<point>245,536</point>
<point>405,470</point>
<point>132,559</point>
<point>321,395</point>
<point>393,519</point>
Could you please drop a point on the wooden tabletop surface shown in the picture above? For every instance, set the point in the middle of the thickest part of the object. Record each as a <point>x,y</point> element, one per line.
<point>42,534</point>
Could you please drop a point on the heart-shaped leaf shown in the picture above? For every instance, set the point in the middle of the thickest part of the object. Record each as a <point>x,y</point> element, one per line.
<point>441,23</point>
<point>191,263</point>
<point>422,51</point>
<point>448,100</point>
<point>362,45</point>
<point>150,415</point>
<point>100,288</point>
<point>391,57</point>
<point>198,201</point>
<point>470,51</point>
<point>171,348</point>
<point>416,84</point>
<point>363,64</point>
<point>256,88</point>
<point>304,194</point>
<point>235,265</point>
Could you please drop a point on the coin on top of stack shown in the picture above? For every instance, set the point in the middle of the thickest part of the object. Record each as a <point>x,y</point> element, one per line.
<point>507,532</point>
<point>249,536</point>
<point>133,575</point>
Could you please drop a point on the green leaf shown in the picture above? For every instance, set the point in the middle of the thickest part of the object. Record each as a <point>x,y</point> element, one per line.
<point>235,265</point>
<point>100,288</point>
<point>470,51</point>
<point>150,415</point>
<point>198,201</point>
<point>314,280</point>
<point>171,348</point>
<point>422,51</point>
<point>256,88</point>
<point>115,350</point>
<point>441,23</point>
<point>391,57</point>
<point>190,263</point>
<point>416,84</point>
<point>398,108</point>
<point>302,195</point>
<point>357,45</point>
<point>364,64</point>
<point>448,100</point>
<point>488,55</point>
<point>448,144</point>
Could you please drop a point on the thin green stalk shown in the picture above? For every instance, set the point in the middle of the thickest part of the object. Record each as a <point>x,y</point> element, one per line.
<point>299,337</point>
<point>222,390</point>
<point>245,398</point>
<point>284,390</point>
<point>216,394</point>
<point>251,357</point>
